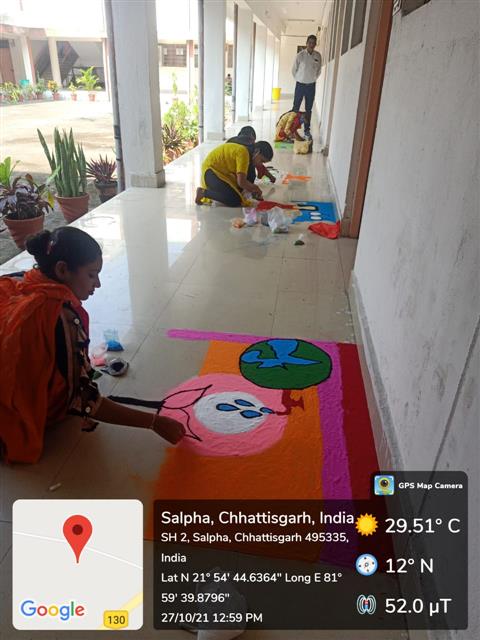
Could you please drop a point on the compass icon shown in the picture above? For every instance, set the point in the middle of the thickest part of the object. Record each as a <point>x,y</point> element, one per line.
<point>366,564</point>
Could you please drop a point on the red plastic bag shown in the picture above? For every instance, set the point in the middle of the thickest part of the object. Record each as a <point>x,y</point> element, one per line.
<point>326,229</point>
<point>265,205</point>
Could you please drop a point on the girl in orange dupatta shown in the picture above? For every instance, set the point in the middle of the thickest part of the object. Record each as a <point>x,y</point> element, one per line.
<point>45,371</point>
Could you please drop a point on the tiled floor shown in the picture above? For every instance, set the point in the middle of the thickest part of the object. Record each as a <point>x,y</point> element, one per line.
<point>169,263</point>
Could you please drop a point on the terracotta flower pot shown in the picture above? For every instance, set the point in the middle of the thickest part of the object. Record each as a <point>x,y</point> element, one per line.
<point>56,96</point>
<point>91,97</point>
<point>106,190</point>
<point>39,95</point>
<point>74,97</point>
<point>20,229</point>
<point>73,208</point>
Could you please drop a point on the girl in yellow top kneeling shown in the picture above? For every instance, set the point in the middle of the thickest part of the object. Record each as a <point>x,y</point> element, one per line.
<point>224,173</point>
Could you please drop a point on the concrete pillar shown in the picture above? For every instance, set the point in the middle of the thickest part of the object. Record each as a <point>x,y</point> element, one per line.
<point>136,64</point>
<point>269,59</point>
<point>54,63</point>
<point>214,14</point>
<point>276,63</point>
<point>106,69</point>
<point>27,59</point>
<point>242,71</point>
<point>259,66</point>
<point>190,68</point>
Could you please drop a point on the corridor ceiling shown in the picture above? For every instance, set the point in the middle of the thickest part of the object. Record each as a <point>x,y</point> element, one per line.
<point>276,14</point>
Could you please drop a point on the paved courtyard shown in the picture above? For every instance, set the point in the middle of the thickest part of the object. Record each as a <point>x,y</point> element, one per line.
<point>92,126</point>
<point>91,123</point>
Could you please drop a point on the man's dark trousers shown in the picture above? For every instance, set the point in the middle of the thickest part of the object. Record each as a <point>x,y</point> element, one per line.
<point>306,91</point>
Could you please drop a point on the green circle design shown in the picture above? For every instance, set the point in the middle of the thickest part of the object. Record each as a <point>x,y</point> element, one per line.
<point>285,364</point>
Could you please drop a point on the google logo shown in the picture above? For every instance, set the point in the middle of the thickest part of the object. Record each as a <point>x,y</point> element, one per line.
<point>29,608</point>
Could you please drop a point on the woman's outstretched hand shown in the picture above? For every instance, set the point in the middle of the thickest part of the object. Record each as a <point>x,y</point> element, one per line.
<point>170,429</point>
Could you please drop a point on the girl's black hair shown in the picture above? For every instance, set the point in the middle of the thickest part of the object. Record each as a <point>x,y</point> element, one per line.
<point>265,148</point>
<point>248,132</point>
<point>65,244</point>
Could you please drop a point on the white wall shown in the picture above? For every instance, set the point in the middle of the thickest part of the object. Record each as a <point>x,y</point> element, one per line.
<point>323,96</point>
<point>177,21</point>
<point>90,54</point>
<point>259,66</point>
<point>288,51</point>
<point>417,263</point>
<point>269,62</point>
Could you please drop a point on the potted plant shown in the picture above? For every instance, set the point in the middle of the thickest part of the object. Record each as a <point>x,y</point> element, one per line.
<point>6,171</point>
<point>13,92</point>
<point>90,81</point>
<point>23,205</point>
<point>69,169</point>
<point>53,87</point>
<point>73,91</point>
<point>102,171</point>
<point>174,142</point>
<point>27,92</point>
<point>3,92</point>
<point>40,88</point>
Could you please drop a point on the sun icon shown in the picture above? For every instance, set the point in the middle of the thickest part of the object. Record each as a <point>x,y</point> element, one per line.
<point>366,524</point>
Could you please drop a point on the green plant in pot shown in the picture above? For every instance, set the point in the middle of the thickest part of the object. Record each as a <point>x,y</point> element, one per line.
<point>73,91</point>
<point>40,88</point>
<point>102,170</point>
<point>6,171</point>
<point>174,142</point>
<point>13,92</point>
<point>69,169</point>
<point>90,81</point>
<point>23,205</point>
<point>53,87</point>
<point>28,93</point>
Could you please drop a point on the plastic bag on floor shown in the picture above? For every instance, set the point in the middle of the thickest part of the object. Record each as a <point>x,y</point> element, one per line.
<point>250,216</point>
<point>278,220</point>
<point>235,603</point>
<point>326,229</point>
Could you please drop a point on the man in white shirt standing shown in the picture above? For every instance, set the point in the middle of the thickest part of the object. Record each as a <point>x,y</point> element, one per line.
<point>306,70</point>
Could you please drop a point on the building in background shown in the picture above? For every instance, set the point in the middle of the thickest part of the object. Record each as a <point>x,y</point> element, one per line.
<point>55,39</point>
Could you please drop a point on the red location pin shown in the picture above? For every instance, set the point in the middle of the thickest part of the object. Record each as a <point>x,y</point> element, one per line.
<point>77,530</point>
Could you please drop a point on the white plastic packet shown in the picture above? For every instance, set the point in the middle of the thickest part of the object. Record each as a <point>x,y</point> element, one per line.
<point>278,220</point>
<point>250,216</point>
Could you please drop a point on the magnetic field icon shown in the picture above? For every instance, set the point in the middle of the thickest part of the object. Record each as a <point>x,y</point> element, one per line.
<point>29,609</point>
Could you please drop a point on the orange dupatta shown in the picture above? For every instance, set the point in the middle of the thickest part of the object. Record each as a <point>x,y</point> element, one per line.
<point>29,310</point>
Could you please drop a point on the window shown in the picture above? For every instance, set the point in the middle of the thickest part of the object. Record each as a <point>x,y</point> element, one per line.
<point>195,56</point>
<point>346,26</point>
<point>174,55</point>
<point>410,5</point>
<point>300,48</point>
<point>358,22</point>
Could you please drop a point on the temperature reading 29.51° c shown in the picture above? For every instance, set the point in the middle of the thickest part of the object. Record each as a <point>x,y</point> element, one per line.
<point>422,525</point>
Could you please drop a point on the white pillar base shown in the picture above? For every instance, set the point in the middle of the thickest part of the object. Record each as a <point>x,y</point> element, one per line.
<point>152,182</point>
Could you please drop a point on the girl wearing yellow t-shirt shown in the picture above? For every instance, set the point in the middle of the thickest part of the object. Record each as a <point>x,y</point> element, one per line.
<point>224,173</point>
